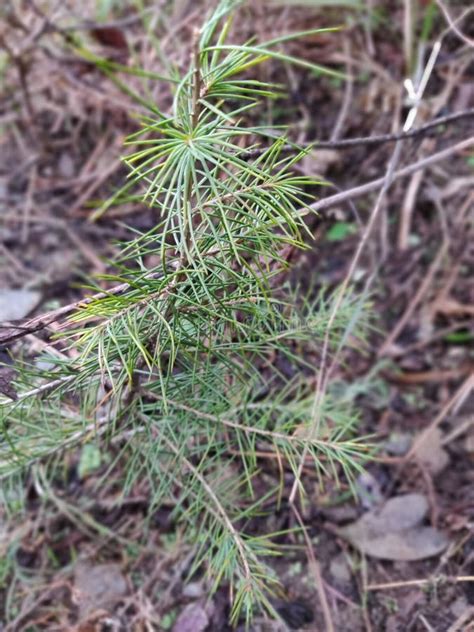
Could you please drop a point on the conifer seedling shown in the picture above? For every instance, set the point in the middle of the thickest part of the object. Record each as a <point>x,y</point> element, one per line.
<point>194,373</point>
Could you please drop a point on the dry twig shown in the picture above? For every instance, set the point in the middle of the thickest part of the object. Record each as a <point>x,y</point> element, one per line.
<point>373,185</point>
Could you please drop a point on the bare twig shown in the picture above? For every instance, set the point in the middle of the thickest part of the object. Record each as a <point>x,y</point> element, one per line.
<point>373,185</point>
<point>422,290</point>
<point>12,331</point>
<point>452,23</point>
<point>463,623</point>
<point>407,209</point>
<point>420,582</point>
<point>44,388</point>
<point>459,431</point>
<point>347,143</point>
<point>348,94</point>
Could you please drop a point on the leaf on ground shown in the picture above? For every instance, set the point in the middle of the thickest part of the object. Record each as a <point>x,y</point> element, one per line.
<point>90,460</point>
<point>318,161</point>
<point>429,451</point>
<point>110,36</point>
<point>339,569</point>
<point>394,531</point>
<point>451,307</point>
<point>98,587</point>
<point>340,231</point>
<point>16,304</point>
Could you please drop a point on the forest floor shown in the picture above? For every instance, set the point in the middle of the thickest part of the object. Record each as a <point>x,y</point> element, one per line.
<point>73,559</point>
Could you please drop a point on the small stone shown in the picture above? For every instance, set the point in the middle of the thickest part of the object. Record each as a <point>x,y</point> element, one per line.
<point>459,607</point>
<point>66,165</point>
<point>430,451</point>
<point>16,304</point>
<point>98,587</point>
<point>42,364</point>
<point>339,569</point>
<point>398,443</point>
<point>193,590</point>
<point>193,618</point>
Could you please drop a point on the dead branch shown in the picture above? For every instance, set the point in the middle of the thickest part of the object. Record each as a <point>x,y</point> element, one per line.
<point>373,185</point>
<point>347,143</point>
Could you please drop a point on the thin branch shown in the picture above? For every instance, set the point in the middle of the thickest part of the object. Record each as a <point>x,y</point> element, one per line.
<point>348,93</point>
<point>44,388</point>
<point>347,143</point>
<point>415,300</point>
<point>14,331</point>
<point>421,582</point>
<point>373,185</point>
<point>452,23</point>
